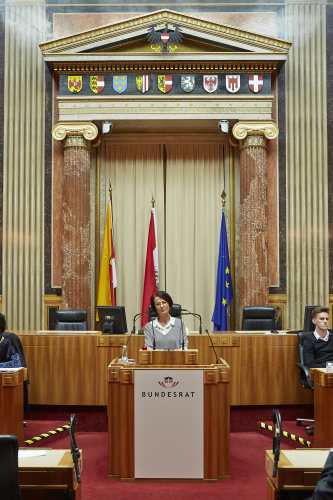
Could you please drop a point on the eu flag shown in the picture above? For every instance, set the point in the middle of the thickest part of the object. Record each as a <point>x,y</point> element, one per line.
<point>224,293</point>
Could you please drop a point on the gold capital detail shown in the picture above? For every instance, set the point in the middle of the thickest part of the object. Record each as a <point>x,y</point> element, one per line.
<point>86,130</point>
<point>266,128</point>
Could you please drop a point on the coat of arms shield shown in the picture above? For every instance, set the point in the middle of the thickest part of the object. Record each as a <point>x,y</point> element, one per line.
<point>165,83</point>
<point>75,84</point>
<point>120,83</point>
<point>143,83</point>
<point>210,83</point>
<point>232,83</point>
<point>187,83</point>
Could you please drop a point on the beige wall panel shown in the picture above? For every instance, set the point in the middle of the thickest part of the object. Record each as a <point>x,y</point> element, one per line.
<point>306,131</point>
<point>23,200</point>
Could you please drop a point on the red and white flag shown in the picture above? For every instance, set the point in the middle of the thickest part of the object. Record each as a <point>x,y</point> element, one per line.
<point>152,282</point>
<point>107,276</point>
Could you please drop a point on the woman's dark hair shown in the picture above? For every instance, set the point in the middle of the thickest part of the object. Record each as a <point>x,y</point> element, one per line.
<point>162,295</point>
<point>3,325</point>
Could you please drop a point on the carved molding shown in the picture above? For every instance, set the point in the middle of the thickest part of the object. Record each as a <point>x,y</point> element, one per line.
<point>267,128</point>
<point>85,129</point>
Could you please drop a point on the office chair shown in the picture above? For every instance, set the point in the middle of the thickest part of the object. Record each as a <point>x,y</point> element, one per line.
<point>258,318</point>
<point>175,312</point>
<point>9,483</point>
<point>304,378</point>
<point>71,320</point>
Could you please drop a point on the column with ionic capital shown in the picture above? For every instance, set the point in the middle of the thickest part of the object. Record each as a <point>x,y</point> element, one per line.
<point>253,271</point>
<point>76,240</point>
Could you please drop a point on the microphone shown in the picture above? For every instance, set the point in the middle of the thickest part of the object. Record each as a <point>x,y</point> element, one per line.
<point>154,340</point>
<point>276,440</point>
<point>136,317</point>
<point>133,331</point>
<point>210,338</point>
<point>196,315</point>
<point>182,330</point>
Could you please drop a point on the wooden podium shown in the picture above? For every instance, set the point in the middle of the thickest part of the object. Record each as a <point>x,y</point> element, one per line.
<point>323,407</point>
<point>148,436</point>
<point>11,401</point>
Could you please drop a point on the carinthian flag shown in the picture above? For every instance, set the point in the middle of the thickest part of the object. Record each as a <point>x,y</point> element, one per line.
<point>152,282</point>
<point>224,293</point>
<point>107,276</point>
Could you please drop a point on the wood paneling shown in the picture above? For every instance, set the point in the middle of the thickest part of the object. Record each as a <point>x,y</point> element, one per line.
<point>323,407</point>
<point>70,369</point>
<point>11,403</point>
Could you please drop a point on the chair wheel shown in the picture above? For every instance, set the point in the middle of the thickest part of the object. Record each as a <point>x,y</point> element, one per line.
<point>309,432</point>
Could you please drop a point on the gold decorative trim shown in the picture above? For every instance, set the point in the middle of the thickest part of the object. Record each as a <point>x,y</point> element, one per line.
<point>76,141</point>
<point>143,21</point>
<point>267,128</point>
<point>255,140</point>
<point>241,99</point>
<point>105,67</point>
<point>62,130</point>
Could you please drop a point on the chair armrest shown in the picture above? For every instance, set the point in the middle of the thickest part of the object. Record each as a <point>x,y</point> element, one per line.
<point>304,369</point>
<point>305,374</point>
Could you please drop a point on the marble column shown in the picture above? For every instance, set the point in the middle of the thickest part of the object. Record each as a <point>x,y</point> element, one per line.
<point>253,271</point>
<point>76,239</point>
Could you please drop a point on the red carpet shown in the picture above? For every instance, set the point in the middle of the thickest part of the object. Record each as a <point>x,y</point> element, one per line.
<point>247,463</point>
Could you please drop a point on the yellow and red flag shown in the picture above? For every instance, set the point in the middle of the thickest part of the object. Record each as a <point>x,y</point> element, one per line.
<point>107,275</point>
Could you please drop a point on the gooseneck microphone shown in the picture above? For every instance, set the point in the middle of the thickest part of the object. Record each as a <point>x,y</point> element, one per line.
<point>276,440</point>
<point>154,340</point>
<point>210,338</point>
<point>183,336</point>
<point>185,312</point>
<point>135,318</point>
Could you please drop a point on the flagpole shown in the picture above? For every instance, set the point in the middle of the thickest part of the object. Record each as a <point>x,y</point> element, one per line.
<point>110,198</point>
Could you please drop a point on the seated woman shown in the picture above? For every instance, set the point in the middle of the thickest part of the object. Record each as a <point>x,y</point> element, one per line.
<point>164,332</point>
<point>8,357</point>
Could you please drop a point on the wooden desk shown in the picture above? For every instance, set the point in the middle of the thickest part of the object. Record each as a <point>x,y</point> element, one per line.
<point>126,440</point>
<point>70,368</point>
<point>297,470</point>
<point>323,407</point>
<point>46,477</point>
<point>11,402</point>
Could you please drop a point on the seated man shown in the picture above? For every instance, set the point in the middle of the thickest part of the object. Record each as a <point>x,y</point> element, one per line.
<point>8,357</point>
<point>318,346</point>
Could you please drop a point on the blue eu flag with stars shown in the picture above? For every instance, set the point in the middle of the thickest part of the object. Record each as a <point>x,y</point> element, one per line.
<point>224,293</point>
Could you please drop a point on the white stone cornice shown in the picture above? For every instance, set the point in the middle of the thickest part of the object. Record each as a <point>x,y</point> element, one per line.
<point>86,129</point>
<point>244,128</point>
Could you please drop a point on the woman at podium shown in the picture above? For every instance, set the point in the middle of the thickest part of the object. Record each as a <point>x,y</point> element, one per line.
<point>164,331</point>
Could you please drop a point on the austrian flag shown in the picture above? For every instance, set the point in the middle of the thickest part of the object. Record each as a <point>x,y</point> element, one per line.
<point>151,281</point>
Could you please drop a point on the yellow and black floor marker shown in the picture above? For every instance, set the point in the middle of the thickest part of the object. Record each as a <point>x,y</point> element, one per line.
<point>47,434</point>
<point>287,434</point>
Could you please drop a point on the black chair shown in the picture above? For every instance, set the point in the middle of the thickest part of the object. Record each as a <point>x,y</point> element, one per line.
<point>304,378</point>
<point>176,312</point>
<point>71,320</point>
<point>18,347</point>
<point>258,318</point>
<point>9,483</point>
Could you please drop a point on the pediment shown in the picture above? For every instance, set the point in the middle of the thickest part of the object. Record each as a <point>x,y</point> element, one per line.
<point>127,41</point>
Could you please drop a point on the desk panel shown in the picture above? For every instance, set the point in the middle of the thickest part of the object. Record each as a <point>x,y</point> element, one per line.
<point>11,402</point>
<point>71,369</point>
